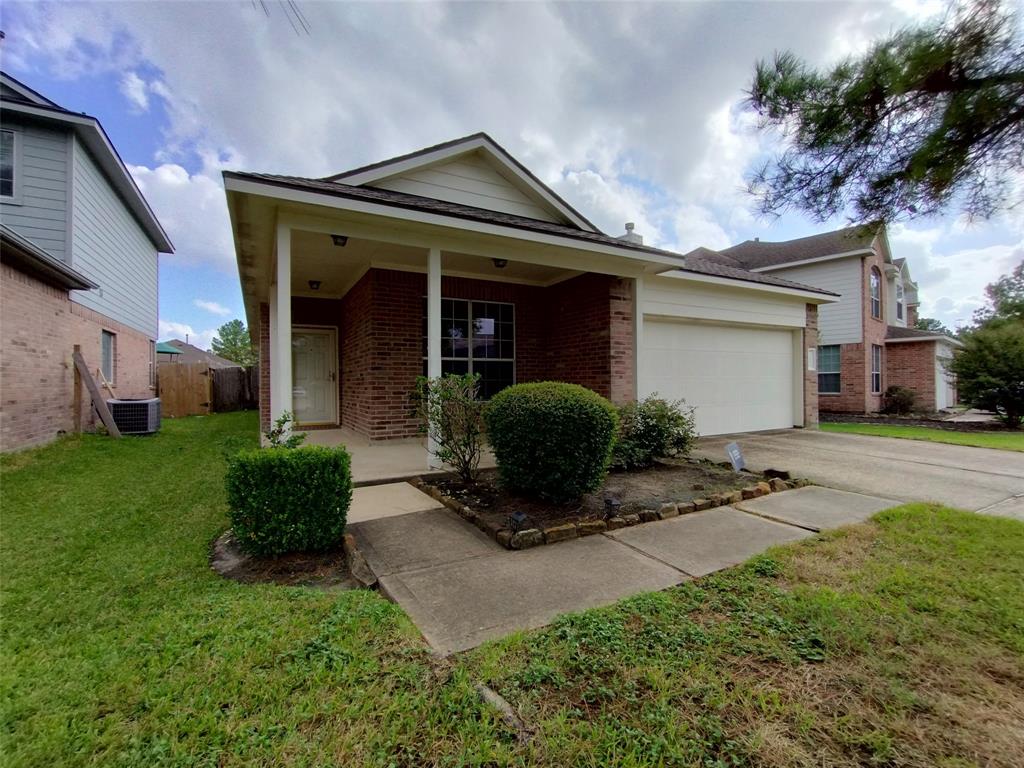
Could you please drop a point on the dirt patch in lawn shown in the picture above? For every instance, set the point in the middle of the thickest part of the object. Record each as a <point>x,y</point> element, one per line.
<point>676,481</point>
<point>324,570</point>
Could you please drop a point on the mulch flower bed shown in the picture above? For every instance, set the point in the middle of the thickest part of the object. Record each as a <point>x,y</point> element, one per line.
<point>339,568</point>
<point>666,490</point>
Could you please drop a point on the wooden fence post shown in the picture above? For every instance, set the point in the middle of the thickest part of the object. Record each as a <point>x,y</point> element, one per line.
<point>76,401</point>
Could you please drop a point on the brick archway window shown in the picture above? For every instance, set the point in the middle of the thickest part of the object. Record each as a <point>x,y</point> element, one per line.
<point>876,293</point>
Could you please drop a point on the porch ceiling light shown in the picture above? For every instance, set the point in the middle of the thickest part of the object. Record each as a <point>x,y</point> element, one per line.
<point>314,285</point>
<point>340,240</point>
<point>500,263</point>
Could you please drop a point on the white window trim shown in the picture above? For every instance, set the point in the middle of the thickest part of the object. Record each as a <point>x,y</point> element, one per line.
<point>873,275</point>
<point>469,358</point>
<point>15,197</point>
<point>875,348</point>
<point>112,379</point>
<point>838,372</point>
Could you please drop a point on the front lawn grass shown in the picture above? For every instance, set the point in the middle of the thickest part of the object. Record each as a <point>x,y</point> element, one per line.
<point>1006,441</point>
<point>899,642</point>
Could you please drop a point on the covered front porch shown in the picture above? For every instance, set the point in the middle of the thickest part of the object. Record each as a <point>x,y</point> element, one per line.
<point>356,308</point>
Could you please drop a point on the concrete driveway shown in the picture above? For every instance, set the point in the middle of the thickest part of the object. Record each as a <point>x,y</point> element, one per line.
<point>908,470</point>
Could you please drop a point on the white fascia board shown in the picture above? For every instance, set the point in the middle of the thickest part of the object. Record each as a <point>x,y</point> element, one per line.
<point>810,296</point>
<point>947,339</point>
<point>815,260</point>
<point>97,142</point>
<point>388,170</point>
<point>278,192</point>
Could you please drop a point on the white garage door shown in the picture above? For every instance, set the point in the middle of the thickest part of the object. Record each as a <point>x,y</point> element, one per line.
<point>738,378</point>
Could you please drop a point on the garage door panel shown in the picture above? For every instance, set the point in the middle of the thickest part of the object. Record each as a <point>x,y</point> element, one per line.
<point>738,378</point>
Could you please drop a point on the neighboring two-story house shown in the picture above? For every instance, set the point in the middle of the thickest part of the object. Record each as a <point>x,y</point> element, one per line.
<point>79,247</point>
<point>867,340</point>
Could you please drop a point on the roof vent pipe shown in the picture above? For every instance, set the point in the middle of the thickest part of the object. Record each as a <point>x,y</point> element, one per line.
<point>631,236</point>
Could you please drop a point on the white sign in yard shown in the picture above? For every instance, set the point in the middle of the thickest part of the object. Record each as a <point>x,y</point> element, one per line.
<point>735,456</point>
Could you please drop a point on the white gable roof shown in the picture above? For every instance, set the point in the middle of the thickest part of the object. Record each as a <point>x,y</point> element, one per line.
<point>474,170</point>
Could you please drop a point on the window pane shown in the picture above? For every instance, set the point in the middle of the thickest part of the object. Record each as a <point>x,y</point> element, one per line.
<point>7,163</point>
<point>828,383</point>
<point>494,377</point>
<point>107,353</point>
<point>828,358</point>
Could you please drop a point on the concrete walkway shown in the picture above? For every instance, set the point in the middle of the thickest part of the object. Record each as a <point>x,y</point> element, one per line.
<point>461,588</point>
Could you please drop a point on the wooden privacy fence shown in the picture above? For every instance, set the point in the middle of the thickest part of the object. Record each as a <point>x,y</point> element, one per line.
<point>235,389</point>
<point>190,389</point>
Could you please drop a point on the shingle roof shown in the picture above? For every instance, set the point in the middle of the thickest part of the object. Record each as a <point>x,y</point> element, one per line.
<point>899,333</point>
<point>697,263</point>
<point>756,254</point>
<point>701,264</point>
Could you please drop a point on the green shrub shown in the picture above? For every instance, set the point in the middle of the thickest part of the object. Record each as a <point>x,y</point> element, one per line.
<point>551,439</point>
<point>898,400</point>
<point>989,370</point>
<point>451,413</point>
<point>289,499</point>
<point>651,429</point>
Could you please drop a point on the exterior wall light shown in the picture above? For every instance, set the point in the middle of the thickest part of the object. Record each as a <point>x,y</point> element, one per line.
<point>500,263</point>
<point>340,240</point>
<point>314,285</point>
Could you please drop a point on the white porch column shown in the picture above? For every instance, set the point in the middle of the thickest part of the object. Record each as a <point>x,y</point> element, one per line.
<point>433,333</point>
<point>638,335</point>
<point>281,327</point>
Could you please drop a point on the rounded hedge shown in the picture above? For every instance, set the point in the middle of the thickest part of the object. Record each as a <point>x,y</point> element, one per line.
<point>551,439</point>
<point>289,499</point>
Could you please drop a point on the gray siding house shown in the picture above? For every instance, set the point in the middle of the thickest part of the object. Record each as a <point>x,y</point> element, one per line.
<point>79,253</point>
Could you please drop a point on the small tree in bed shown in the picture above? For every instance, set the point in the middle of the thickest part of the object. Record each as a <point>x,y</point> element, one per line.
<point>451,414</point>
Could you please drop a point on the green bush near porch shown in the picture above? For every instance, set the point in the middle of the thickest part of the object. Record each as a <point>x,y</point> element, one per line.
<point>289,499</point>
<point>550,439</point>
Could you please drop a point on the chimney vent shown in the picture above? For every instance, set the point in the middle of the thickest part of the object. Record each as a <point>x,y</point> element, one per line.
<point>757,239</point>
<point>631,236</point>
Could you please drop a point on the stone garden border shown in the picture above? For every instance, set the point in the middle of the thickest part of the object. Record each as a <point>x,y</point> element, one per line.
<point>534,537</point>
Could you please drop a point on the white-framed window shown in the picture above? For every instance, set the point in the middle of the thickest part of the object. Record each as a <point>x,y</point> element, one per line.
<point>8,165</point>
<point>899,301</point>
<point>876,369</point>
<point>152,363</point>
<point>477,337</point>
<point>829,369</point>
<point>875,285</point>
<point>108,355</point>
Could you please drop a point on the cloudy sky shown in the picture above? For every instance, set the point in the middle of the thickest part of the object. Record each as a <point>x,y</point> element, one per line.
<point>631,111</point>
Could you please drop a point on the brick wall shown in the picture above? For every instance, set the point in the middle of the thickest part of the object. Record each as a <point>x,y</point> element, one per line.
<point>912,365</point>
<point>39,326</point>
<point>810,377</point>
<point>356,356</point>
<point>580,330</point>
<point>855,363</point>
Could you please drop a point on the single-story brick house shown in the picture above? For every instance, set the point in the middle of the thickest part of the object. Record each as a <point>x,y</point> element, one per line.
<point>457,258</point>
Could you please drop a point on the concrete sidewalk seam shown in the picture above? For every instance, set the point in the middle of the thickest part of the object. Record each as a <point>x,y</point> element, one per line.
<point>770,518</point>
<point>649,556</point>
<point>999,503</point>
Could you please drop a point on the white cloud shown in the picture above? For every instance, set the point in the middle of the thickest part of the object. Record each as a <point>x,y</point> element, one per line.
<point>193,210</point>
<point>631,111</point>
<point>134,89</point>
<point>212,307</point>
<point>170,329</point>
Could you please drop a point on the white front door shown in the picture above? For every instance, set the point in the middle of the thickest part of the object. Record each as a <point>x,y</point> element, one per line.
<point>315,375</point>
